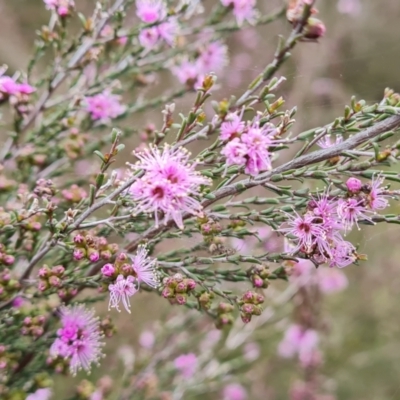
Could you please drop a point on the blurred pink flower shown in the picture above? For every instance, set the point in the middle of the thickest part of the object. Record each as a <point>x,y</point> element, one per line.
<point>40,394</point>
<point>331,280</point>
<point>104,106</point>
<point>251,351</point>
<point>150,11</point>
<point>351,7</point>
<point>243,10</point>
<point>234,391</point>
<point>213,57</point>
<point>186,364</point>
<point>299,341</point>
<point>147,339</point>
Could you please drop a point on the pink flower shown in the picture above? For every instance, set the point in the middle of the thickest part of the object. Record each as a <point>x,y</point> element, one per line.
<point>147,339</point>
<point>377,199</point>
<point>234,391</point>
<point>298,341</point>
<point>40,394</point>
<point>354,185</point>
<point>121,291</point>
<point>144,268</point>
<point>186,364</point>
<point>79,339</point>
<point>166,31</point>
<point>351,210</point>
<point>108,270</point>
<point>8,85</point>
<point>212,58</point>
<point>251,150</point>
<point>188,73</point>
<point>150,11</point>
<point>243,10</point>
<point>104,106</point>
<point>61,7</point>
<point>149,37</point>
<point>331,280</point>
<point>170,184</point>
<point>325,142</point>
<point>351,7</point>
<point>232,126</point>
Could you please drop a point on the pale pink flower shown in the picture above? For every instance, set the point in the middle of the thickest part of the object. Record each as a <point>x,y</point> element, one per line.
<point>144,268</point>
<point>243,10</point>
<point>212,58</point>
<point>147,339</point>
<point>232,126</point>
<point>61,7</point>
<point>298,341</point>
<point>150,11</point>
<point>186,364</point>
<point>377,200</point>
<point>40,394</point>
<point>351,7</point>
<point>149,37</point>
<point>331,280</point>
<point>188,73</point>
<point>121,291</point>
<point>234,391</point>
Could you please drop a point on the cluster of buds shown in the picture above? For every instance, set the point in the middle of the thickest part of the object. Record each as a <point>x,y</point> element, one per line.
<point>29,222</point>
<point>224,313</point>
<point>209,229</point>
<point>8,286</point>
<point>121,266</point>
<point>93,248</point>
<point>74,194</point>
<point>33,326</point>
<point>74,144</point>
<point>314,27</point>
<point>259,275</point>
<point>5,217</point>
<point>45,189</point>
<point>107,327</point>
<point>205,300</point>
<point>177,288</point>
<point>5,259</point>
<point>50,277</point>
<point>8,362</point>
<point>250,304</point>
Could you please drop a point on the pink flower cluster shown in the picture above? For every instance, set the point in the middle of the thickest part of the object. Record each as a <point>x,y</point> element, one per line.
<point>301,342</point>
<point>170,184</point>
<point>151,11</point>
<point>104,106</point>
<point>317,233</point>
<point>243,10</point>
<point>211,58</point>
<point>61,7</point>
<point>79,339</point>
<point>248,144</point>
<point>234,391</point>
<point>129,277</point>
<point>186,364</point>
<point>9,87</point>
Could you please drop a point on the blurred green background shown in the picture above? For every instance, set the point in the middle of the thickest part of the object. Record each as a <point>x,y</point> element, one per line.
<point>359,55</point>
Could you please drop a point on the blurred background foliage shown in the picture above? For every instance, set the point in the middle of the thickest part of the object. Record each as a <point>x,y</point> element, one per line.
<point>359,55</point>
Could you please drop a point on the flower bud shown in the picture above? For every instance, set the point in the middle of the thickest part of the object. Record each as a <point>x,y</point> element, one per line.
<point>354,185</point>
<point>108,270</point>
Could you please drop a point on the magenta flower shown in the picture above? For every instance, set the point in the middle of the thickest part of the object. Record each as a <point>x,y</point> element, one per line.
<point>234,391</point>
<point>298,341</point>
<point>121,291</point>
<point>144,268</point>
<point>354,185</point>
<point>150,11</point>
<point>169,185</point>
<point>212,58</point>
<point>79,338</point>
<point>232,126</point>
<point>40,394</point>
<point>104,106</point>
<point>251,150</point>
<point>186,364</point>
<point>304,229</point>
